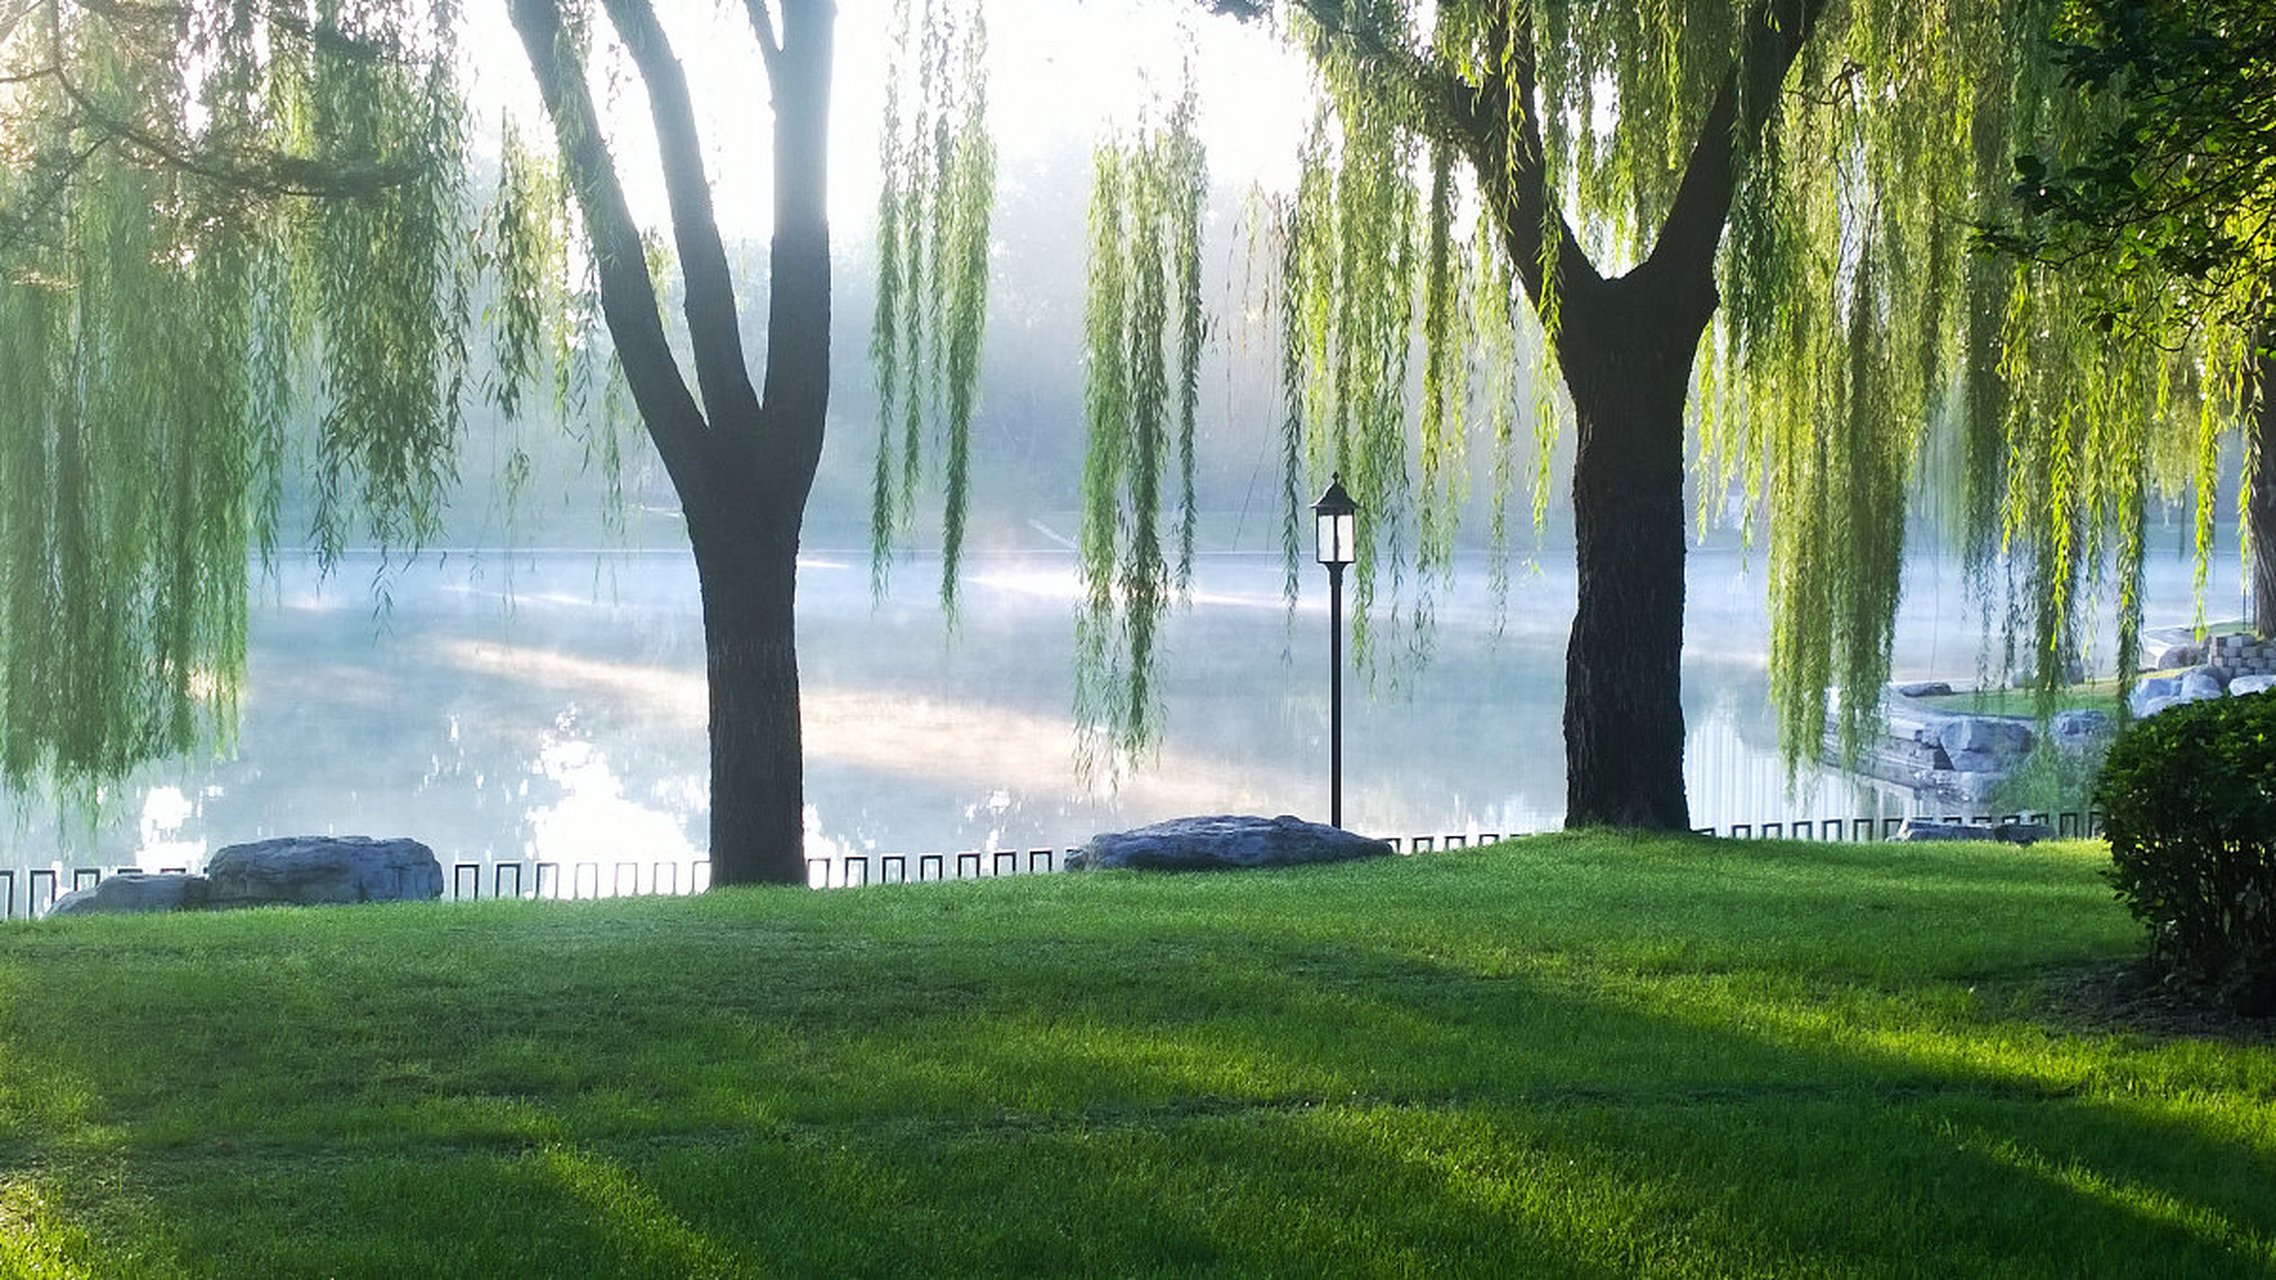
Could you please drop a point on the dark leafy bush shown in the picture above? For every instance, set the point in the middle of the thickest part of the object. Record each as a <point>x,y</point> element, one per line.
<point>2189,804</point>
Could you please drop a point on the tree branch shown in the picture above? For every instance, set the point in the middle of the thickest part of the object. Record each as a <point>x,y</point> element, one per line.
<point>762,26</point>
<point>715,332</point>
<point>628,294</point>
<point>1493,123</point>
<point>798,287</point>
<point>1775,34</point>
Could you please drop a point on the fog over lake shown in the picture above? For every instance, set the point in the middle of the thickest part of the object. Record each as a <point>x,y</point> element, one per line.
<point>549,706</point>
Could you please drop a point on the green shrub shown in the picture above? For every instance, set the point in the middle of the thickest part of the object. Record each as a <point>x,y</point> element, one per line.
<point>2189,805</point>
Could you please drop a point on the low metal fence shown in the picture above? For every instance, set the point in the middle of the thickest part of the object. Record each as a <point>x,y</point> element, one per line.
<point>28,893</point>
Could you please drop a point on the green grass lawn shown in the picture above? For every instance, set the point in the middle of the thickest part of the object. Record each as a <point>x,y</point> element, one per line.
<point>1562,1056</point>
<point>2098,694</point>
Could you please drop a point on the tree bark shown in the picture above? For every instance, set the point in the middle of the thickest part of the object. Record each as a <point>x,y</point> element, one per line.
<point>1627,351</point>
<point>746,559</point>
<point>745,524</point>
<point>1626,348</point>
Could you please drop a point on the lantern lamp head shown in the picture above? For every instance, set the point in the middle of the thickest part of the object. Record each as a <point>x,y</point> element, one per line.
<point>1338,521</point>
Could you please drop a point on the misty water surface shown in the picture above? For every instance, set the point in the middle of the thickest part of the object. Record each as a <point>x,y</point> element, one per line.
<point>550,707</point>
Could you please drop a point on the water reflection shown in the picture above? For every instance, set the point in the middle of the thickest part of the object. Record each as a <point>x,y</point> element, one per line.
<point>551,709</point>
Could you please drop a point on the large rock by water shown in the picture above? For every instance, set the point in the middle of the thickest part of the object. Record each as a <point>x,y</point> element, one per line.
<point>310,870</point>
<point>1996,737</point>
<point>1222,843</point>
<point>2198,684</point>
<point>133,892</point>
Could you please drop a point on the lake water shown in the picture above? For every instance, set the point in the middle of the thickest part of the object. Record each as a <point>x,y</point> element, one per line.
<point>555,713</point>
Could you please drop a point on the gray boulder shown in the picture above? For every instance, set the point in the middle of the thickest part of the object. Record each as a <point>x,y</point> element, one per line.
<point>1984,736</point>
<point>2074,730</point>
<point>2199,684</point>
<point>133,892</point>
<point>1225,842</point>
<point>1925,689</point>
<point>308,870</point>
<point>2153,695</point>
<point>2184,654</point>
<point>2241,685</point>
<point>1976,761</point>
<point>2144,708</point>
<point>1917,830</point>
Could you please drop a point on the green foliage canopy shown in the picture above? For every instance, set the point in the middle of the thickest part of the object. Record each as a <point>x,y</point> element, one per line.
<point>2146,215</point>
<point>195,200</point>
<point>1859,350</point>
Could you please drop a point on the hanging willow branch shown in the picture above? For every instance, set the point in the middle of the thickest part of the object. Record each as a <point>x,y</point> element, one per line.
<point>933,215</point>
<point>160,285</point>
<point>1143,334</point>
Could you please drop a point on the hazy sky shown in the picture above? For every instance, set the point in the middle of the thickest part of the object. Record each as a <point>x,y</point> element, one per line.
<point>1061,71</point>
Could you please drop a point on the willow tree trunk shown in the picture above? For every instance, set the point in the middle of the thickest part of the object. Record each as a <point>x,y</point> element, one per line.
<point>746,561</point>
<point>1626,348</point>
<point>741,458</point>
<point>1626,351</point>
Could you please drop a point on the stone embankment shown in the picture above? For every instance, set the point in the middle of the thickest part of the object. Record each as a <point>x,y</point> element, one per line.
<point>1962,756</point>
<point>2218,667</point>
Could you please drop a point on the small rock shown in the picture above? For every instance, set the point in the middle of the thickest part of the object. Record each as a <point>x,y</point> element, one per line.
<point>1920,830</point>
<point>2078,726</point>
<point>133,892</point>
<point>2022,832</point>
<point>1916,830</point>
<point>2077,731</point>
<point>1925,689</point>
<point>1225,842</point>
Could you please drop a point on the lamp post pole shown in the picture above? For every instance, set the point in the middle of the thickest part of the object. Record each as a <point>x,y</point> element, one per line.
<point>1335,695</point>
<point>1337,525</point>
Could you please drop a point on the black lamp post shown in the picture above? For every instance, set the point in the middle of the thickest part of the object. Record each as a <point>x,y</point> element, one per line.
<point>1338,523</point>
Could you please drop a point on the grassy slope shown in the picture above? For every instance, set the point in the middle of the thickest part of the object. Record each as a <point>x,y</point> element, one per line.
<point>1570,1055</point>
<point>2099,694</point>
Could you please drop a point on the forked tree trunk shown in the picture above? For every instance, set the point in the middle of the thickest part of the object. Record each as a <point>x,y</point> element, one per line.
<point>1626,348</point>
<point>741,459</point>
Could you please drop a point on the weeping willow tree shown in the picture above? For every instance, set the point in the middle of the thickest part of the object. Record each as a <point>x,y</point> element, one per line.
<point>2146,237</point>
<point>200,202</point>
<point>191,199</point>
<point>1741,229</point>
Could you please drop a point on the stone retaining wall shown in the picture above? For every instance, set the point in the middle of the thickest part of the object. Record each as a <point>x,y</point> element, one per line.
<point>2241,655</point>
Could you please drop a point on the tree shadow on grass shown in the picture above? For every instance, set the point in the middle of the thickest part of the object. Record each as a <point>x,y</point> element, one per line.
<point>1258,1106</point>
